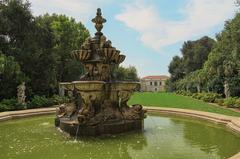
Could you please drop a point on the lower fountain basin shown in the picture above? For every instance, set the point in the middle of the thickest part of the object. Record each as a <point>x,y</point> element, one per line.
<point>113,127</point>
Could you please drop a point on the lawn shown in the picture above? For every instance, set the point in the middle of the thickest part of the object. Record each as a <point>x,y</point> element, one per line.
<point>171,100</point>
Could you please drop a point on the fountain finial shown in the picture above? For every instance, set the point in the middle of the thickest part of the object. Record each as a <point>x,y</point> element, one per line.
<point>99,20</point>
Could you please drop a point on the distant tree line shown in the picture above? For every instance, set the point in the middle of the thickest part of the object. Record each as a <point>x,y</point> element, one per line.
<point>207,65</point>
<point>37,50</point>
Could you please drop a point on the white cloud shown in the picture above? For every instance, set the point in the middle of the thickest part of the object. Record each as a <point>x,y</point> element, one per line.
<point>155,32</point>
<point>81,10</point>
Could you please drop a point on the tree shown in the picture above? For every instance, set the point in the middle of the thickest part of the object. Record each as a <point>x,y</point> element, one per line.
<point>237,2</point>
<point>68,35</point>
<point>195,53</point>
<point>41,46</point>
<point>223,63</point>
<point>16,23</point>
<point>221,71</point>
<point>10,76</point>
<point>176,69</point>
<point>126,74</point>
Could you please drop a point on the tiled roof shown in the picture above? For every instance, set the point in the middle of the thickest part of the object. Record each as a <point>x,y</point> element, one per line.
<point>162,77</point>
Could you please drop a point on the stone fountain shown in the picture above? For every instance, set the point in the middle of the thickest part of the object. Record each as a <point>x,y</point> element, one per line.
<point>99,101</point>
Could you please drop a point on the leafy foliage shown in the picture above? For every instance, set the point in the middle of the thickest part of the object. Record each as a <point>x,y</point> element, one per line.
<point>194,54</point>
<point>232,102</point>
<point>220,72</point>
<point>10,76</point>
<point>35,102</point>
<point>39,48</point>
<point>11,104</point>
<point>126,74</point>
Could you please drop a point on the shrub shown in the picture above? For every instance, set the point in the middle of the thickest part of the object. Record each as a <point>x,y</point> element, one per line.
<point>237,103</point>
<point>197,96</point>
<point>40,101</point>
<point>59,100</point>
<point>206,97</point>
<point>35,102</point>
<point>4,107</point>
<point>219,101</point>
<point>231,102</point>
<point>210,97</point>
<point>11,104</point>
<point>184,93</point>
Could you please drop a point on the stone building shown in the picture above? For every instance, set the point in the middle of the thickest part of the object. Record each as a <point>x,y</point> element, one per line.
<point>153,83</point>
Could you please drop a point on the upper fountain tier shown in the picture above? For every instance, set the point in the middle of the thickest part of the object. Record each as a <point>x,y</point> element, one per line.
<point>98,55</point>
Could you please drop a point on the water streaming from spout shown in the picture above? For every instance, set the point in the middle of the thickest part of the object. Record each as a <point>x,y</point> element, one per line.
<point>119,102</point>
<point>76,133</point>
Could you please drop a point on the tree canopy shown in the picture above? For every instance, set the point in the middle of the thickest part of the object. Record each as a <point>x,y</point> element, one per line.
<point>126,74</point>
<point>194,54</point>
<point>220,71</point>
<point>41,46</point>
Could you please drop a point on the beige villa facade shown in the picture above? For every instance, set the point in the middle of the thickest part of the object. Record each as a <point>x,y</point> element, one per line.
<point>153,83</point>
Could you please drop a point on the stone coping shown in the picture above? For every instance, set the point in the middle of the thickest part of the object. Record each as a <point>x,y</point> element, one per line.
<point>229,121</point>
<point>26,113</point>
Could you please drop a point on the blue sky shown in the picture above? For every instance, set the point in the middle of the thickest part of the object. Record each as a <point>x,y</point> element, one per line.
<point>148,32</point>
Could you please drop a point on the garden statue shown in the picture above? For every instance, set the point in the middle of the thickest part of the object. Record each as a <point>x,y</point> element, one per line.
<point>21,93</point>
<point>99,102</point>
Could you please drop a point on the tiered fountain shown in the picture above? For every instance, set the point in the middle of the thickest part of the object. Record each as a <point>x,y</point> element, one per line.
<point>99,103</point>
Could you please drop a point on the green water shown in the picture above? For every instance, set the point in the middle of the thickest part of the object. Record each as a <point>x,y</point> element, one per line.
<point>163,138</point>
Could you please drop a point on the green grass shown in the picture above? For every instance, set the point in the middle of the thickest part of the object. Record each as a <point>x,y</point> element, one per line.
<point>171,100</point>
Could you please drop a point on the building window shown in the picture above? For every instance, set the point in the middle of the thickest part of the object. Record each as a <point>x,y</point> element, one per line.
<point>150,83</point>
<point>155,89</point>
<point>155,83</point>
<point>160,83</point>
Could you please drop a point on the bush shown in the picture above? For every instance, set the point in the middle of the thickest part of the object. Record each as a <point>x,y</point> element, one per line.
<point>184,93</point>
<point>210,97</point>
<point>4,107</point>
<point>59,100</point>
<point>206,97</point>
<point>237,103</point>
<point>219,101</point>
<point>197,95</point>
<point>40,101</point>
<point>35,102</point>
<point>11,104</point>
<point>232,102</point>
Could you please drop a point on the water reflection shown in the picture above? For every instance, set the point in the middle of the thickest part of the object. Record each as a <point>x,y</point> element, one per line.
<point>163,138</point>
<point>210,138</point>
<point>114,146</point>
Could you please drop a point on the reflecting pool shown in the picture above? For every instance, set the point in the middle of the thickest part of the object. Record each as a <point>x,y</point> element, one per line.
<point>164,137</point>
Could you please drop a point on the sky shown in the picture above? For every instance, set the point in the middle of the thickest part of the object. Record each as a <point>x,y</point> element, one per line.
<point>149,32</point>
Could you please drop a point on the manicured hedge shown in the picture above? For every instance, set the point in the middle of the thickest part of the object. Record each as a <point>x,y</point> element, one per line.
<point>232,102</point>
